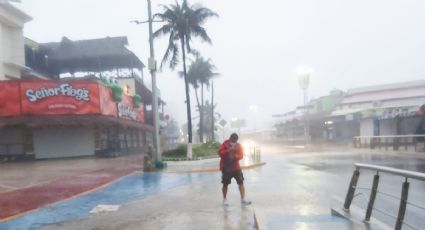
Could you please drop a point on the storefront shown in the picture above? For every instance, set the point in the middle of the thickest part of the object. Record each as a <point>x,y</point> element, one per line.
<point>51,119</point>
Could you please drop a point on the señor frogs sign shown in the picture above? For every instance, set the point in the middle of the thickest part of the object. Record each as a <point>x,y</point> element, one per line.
<point>65,89</point>
<point>47,97</point>
<point>62,98</point>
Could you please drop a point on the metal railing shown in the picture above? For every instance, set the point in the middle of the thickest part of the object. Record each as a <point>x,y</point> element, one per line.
<point>394,141</point>
<point>374,191</point>
<point>255,154</point>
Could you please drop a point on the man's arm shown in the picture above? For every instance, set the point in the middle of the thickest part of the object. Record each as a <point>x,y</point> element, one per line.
<point>239,152</point>
<point>223,150</point>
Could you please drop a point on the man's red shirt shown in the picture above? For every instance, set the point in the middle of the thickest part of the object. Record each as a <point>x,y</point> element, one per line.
<point>225,155</point>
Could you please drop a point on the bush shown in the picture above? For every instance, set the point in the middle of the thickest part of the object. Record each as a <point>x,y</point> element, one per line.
<point>205,150</point>
<point>180,151</point>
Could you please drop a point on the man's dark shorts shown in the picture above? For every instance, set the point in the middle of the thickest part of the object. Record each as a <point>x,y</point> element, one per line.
<point>226,177</point>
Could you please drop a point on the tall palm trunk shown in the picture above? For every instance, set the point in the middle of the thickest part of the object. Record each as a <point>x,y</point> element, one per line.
<point>189,115</point>
<point>201,115</point>
<point>212,110</point>
<point>198,103</point>
<point>197,98</point>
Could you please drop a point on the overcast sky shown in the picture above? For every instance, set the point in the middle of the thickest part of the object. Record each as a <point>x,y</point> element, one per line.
<point>258,45</point>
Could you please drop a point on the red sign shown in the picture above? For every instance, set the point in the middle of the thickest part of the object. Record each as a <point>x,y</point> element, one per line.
<point>10,102</point>
<point>107,105</point>
<point>49,97</point>
<point>126,110</point>
<point>58,98</point>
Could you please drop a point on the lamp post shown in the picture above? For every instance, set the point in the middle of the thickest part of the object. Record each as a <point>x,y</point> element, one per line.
<point>303,74</point>
<point>152,69</point>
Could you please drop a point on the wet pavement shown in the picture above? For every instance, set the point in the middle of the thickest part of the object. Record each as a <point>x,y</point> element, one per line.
<point>292,191</point>
<point>208,165</point>
<point>19,175</point>
<point>31,185</point>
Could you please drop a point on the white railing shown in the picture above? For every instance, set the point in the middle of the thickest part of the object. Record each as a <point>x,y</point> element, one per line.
<point>374,191</point>
<point>389,142</point>
<point>255,154</point>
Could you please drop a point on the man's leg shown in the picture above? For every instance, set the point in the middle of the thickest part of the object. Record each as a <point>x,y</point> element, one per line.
<point>239,178</point>
<point>225,179</point>
<point>225,190</point>
<point>242,191</point>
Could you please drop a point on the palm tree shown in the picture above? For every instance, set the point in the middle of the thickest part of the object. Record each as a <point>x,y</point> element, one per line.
<point>211,120</point>
<point>200,73</point>
<point>182,22</point>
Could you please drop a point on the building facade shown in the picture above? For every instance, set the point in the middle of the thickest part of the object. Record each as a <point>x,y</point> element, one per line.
<point>12,55</point>
<point>383,109</point>
<point>86,113</point>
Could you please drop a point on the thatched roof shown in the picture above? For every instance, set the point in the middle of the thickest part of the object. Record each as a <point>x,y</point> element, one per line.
<point>93,55</point>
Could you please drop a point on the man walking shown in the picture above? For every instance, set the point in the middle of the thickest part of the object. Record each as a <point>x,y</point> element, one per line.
<point>230,153</point>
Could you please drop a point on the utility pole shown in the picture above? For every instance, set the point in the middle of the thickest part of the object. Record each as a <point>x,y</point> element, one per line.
<point>304,73</point>
<point>152,68</point>
<point>212,110</point>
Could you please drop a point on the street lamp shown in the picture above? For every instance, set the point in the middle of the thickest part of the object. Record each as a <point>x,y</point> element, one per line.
<point>253,108</point>
<point>303,74</point>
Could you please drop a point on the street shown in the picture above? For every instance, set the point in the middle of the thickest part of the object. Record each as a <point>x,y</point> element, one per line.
<point>292,191</point>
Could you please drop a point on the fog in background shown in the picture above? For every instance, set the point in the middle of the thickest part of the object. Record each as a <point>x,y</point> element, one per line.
<point>258,45</point>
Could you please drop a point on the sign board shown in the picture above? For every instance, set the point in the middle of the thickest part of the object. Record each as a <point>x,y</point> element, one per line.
<point>126,110</point>
<point>223,122</point>
<point>61,98</point>
<point>49,97</point>
<point>240,123</point>
<point>10,101</point>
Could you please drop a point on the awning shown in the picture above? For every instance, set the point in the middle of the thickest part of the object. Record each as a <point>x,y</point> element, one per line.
<point>344,112</point>
<point>386,112</point>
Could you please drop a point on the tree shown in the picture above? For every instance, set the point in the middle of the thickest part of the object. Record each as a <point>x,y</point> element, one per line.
<point>200,73</point>
<point>182,22</point>
<point>208,112</point>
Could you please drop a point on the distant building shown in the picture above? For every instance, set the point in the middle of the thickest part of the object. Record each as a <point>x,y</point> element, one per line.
<point>390,109</point>
<point>291,125</point>
<point>172,134</point>
<point>380,110</point>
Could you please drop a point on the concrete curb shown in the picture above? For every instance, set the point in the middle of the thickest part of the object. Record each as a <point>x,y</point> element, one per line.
<point>194,162</point>
<point>256,221</point>
<point>356,215</point>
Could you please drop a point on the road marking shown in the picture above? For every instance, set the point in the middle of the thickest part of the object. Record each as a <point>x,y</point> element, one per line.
<point>104,208</point>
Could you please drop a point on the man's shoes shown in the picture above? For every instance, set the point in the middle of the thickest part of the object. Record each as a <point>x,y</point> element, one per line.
<point>246,202</point>
<point>225,202</point>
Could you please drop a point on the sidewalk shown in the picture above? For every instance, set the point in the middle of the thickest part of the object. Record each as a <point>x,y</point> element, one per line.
<point>285,195</point>
<point>25,186</point>
<point>293,191</point>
